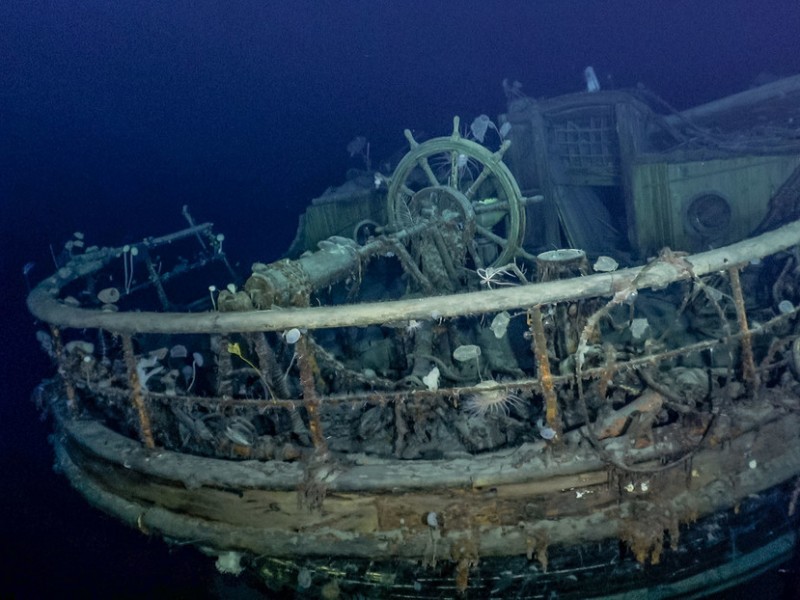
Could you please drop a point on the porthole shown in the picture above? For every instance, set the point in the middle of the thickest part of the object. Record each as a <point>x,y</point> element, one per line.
<point>708,216</point>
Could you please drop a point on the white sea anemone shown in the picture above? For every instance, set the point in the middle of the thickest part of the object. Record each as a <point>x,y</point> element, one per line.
<point>229,563</point>
<point>413,326</point>
<point>491,400</point>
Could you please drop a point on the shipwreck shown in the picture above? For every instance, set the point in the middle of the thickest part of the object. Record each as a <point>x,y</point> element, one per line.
<point>553,356</point>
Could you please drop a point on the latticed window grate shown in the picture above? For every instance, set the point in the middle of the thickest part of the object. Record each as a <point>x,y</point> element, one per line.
<point>586,140</point>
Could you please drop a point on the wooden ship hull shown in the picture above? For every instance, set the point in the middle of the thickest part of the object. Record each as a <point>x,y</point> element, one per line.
<point>409,412</point>
<point>547,529</point>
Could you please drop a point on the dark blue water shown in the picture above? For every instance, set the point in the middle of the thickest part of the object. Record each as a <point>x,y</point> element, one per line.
<point>115,114</point>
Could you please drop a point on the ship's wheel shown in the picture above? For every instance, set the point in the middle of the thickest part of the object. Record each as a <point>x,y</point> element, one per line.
<point>456,179</point>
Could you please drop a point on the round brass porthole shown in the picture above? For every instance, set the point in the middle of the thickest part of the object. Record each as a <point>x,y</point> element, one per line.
<point>708,216</point>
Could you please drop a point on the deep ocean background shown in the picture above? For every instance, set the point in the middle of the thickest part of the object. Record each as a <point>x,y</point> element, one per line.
<point>114,114</point>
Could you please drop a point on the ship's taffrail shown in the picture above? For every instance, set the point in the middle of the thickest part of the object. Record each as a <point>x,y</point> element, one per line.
<point>44,304</point>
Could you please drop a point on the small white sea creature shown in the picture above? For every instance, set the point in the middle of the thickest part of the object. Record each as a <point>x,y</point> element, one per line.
<point>229,563</point>
<point>431,380</point>
<point>492,276</point>
<point>197,361</point>
<point>142,366</point>
<point>304,579</point>
<point>479,126</point>
<point>547,433</point>
<point>639,327</point>
<point>500,324</point>
<point>466,352</point>
<point>413,326</point>
<point>605,264</point>
<point>432,519</point>
<point>592,83</point>
<point>292,335</point>
<point>109,295</point>
<point>178,351</point>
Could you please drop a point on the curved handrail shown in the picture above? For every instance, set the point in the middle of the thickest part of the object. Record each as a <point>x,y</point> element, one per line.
<point>44,304</point>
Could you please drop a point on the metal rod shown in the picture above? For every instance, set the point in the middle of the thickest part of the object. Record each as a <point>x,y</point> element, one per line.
<point>539,344</point>
<point>137,399</point>
<point>307,364</point>
<point>748,364</point>
<point>155,279</point>
<point>58,348</point>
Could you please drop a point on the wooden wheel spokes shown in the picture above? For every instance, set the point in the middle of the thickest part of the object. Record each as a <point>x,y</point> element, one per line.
<point>473,173</point>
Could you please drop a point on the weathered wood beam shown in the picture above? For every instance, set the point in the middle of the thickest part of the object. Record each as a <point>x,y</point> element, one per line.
<point>43,302</point>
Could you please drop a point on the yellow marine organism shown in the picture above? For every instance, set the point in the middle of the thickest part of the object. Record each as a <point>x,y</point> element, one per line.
<point>236,349</point>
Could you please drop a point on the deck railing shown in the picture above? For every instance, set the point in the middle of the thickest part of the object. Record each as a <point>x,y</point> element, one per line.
<point>624,352</point>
